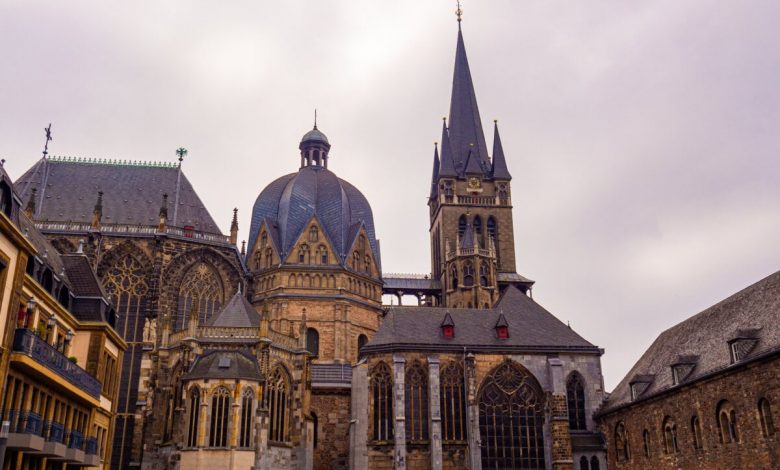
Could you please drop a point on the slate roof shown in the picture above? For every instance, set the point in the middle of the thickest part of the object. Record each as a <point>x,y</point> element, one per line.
<point>754,311</point>
<point>132,193</point>
<point>288,204</point>
<point>237,313</point>
<point>82,278</point>
<point>531,329</point>
<point>235,365</point>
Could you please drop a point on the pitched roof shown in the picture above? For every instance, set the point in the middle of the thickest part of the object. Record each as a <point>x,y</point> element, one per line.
<point>132,193</point>
<point>82,277</point>
<point>531,328</point>
<point>753,311</point>
<point>465,124</point>
<point>225,365</point>
<point>237,313</point>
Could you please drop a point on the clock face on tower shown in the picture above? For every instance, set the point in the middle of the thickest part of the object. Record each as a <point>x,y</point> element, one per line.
<point>474,183</point>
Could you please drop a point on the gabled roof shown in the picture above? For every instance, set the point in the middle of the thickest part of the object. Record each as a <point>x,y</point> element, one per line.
<point>531,329</point>
<point>238,313</point>
<point>225,365</point>
<point>465,125</point>
<point>82,278</point>
<point>705,337</point>
<point>132,193</point>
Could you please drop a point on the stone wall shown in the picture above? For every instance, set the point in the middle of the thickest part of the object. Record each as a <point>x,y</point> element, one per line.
<point>333,415</point>
<point>742,388</point>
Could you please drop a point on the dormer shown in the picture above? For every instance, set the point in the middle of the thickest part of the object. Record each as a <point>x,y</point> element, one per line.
<point>639,385</point>
<point>502,327</point>
<point>448,326</point>
<point>683,368</point>
<point>742,343</point>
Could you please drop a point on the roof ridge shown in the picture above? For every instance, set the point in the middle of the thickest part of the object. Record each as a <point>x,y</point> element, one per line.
<point>113,162</point>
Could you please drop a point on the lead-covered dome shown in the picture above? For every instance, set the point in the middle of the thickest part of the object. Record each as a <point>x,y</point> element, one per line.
<point>288,204</point>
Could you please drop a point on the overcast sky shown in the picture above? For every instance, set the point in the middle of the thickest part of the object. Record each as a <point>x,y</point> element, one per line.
<point>642,136</point>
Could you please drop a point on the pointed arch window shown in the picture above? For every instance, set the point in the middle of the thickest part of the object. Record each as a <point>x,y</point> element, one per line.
<point>303,254</point>
<point>584,465</point>
<point>367,264</point>
<point>453,403</point>
<point>511,419</point>
<point>492,233</point>
<point>477,224</point>
<point>454,278</point>
<point>594,463</point>
<point>322,254</point>
<point>356,261</point>
<point>269,257</point>
<point>621,443</point>
<point>575,399</point>
<point>461,227</point>
<point>314,234</point>
<point>646,442</point>
<point>670,436</point>
<point>200,293</point>
<point>313,341</point>
<point>194,418</point>
<point>483,274</point>
<point>247,410</point>
<point>416,402</point>
<point>468,274</point>
<point>264,239</point>
<point>727,423</point>
<point>278,405</point>
<point>361,341</point>
<point>382,406</point>
<point>220,408</point>
<point>698,443</point>
<point>765,416</point>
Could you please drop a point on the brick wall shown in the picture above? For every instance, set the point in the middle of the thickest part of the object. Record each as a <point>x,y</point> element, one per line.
<point>333,416</point>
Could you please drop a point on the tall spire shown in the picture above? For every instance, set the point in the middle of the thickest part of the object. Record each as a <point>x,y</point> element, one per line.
<point>435,176</point>
<point>465,127</point>
<point>447,166</point>
<point>500,170</point>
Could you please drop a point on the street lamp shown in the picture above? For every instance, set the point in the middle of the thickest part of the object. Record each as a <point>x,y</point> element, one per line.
<point>68,338</point>
<point>50,325</point>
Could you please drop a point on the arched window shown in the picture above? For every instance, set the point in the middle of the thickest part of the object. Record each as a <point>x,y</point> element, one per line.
<point>454,278</point>
<point>483,274</point>
<point>314,234</point>
<point>670,436</point>
<point>698,443</point>
<point>278,406</point>
<point>468,274</point>
<point>594,463</point>
<point>765,416</point>
<point>584,465</point>
<point>303,254</point>
<point>453,403</point>
<point>200,293</point>
<point>575,399</point>
<point>194,421</point>
<point>367,264</point>
<point>247,405</point>
<point>220,409</point>
<point>269,257</point>
<point>313,341</point>
<point>461,227</point>
<point>322,254</point>
<point>621,443</point>
<point>382,396</point>
<point>646,442</point>
<point>362,340</point>
<point>477,224</point>
<point>416,402</point>
<point>356,261</point>
<point>727,423</point>
<point>492,233</point>
<point>511,419</point>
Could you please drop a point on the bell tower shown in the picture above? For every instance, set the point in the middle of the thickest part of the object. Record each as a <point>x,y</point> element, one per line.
<point>472,238</point>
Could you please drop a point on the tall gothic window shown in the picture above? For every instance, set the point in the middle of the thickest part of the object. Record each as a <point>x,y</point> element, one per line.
<point>698,443</point>
<point>382,395</point>
<point>125,283</point>
<point>670,436</point>
<point>727,422</point>
<point>468,274</point>
<point>220,409</point>
<point>594,463</point>
<point>313,341</point>
<point>194,421</point>
<point>200,293</point>
<point>278,406</point>
<point>584,465</point>
<point>416,402</point>
<point>314,234</point>
<point>477,224</point>
<point>247,403</point>
<point>453,403</point>
<point>461,227</point>
<point>621,443</point>
<point>575,399</point>
<point>765,415</point>
<point>511,419</point>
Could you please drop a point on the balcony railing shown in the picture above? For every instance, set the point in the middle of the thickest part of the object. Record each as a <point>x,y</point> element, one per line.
<point>54,432</point>
<point>75,440</point>
<point>26,342</point>
<point>24,422</point>
<point>91,446</point>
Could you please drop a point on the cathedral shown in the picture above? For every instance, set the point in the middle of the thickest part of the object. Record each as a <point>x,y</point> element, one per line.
<point>279,354</point>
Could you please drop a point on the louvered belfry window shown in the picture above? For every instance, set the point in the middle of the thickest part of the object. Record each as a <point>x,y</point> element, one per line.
<point>416,402</point>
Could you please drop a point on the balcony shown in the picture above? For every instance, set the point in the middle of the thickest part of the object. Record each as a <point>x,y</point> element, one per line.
<point>29,433</point>
<point>27,343</point>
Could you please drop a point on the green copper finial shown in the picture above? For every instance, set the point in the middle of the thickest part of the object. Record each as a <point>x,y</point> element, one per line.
<point>181,152</point>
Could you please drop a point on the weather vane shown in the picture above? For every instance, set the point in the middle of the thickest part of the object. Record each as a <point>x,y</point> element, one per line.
<point>315,118</point>
<point>459,12</point>
<point>181,152</point>
<point>48,139</point>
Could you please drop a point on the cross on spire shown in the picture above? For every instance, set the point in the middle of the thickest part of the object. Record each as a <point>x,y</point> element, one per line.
<point>48,139</point>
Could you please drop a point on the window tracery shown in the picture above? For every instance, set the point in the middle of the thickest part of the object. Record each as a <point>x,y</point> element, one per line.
<point>200,294</point>
<point>194,421</point>
<point>575,399</point>
<point>314,234</point>
<point>220,407</point>
<point>382,395</point>
<point>727,423</point>
<point>453,403</point>
<point>416,402</point>
<point>247,405</point>
<point>278,405</point>
<point>511,419</point>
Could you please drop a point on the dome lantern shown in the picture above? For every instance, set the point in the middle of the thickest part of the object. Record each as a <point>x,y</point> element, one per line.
<point>314,148</point>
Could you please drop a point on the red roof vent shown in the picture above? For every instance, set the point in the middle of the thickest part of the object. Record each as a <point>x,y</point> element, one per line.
<point>502,327</point>
<point>448,326</point>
